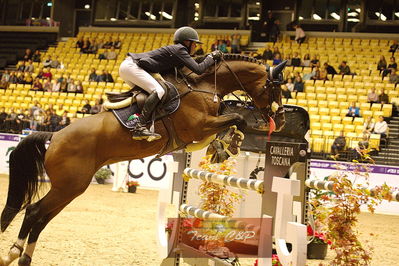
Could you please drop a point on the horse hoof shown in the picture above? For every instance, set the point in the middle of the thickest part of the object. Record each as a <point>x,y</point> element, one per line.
<point>24,260</point>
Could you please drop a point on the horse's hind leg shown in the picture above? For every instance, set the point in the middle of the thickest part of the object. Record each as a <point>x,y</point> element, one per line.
<point>37,228</point>
<point>37,216</point>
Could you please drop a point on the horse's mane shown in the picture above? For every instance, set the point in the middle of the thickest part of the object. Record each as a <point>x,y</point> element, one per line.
<point>233,57</point>
<point>227,57</point>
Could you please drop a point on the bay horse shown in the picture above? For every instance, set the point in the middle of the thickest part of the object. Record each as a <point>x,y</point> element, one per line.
<point>76,152</point>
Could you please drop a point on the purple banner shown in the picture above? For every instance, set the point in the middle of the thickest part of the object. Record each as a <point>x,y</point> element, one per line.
<point>333,165</point>
<point>9,137</point>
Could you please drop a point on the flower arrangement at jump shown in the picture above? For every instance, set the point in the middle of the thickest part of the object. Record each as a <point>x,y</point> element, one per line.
<point>132,186</point>
<point>335,213</point>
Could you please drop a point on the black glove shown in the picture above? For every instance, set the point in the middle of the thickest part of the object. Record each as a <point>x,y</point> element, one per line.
<point>217,55</point>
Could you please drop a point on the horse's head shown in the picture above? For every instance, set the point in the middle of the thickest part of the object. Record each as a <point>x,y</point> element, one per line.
<point>263,84</point>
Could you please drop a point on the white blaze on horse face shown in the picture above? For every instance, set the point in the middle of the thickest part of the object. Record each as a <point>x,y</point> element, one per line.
<point>275,107</point>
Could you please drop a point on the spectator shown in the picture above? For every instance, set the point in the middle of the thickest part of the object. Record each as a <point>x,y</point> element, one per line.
<point>93,49</point>
<point>40,73</point>
<point>268,25</point>
<point>394,47</point>
<point>353,111</point>
<point>199,51</point>
<point>323,74</point>
<point>276,52</point>
<point>68,78</point>
<point>86,46</point>
<point>299,34</point>
<point>93,76</point>
<point>108,44</point>
<point>13,78</point>
<point>338,146</point>
<point>383,97</point>
<point>274,31</point>
<point>54,121</point>
<point>306,60</point>
<point>96,107</point>
<point>6,76</point>
<point>64,121</point>
<point>47,62</point>
<point>315,73</point>
<point>296,60</point>
<point>21,66</point>
<point>227,41</point>
<point>330,69</point>
<point>3,116</point>
<point>290,85</point>
<point>79,87</point>
<point>235,43</point>
<point>38,120</point>
<point>21,121</point>
<point>381,127</point>
<point>28,54</point>
<point>86,107</point>
<point>10,121</point>
<point>394,77</point>
<point>47,86</point>
<point>267,54</point>
<point>79,43</point>
<point>55,63</point>
<point>71,87</point>
<point>64,86</point>
<point>344,69</point>
<point>111,54</point>
<point>46,125</point>
<point>37,85</point>
<point>368,125</point>
<point>36,57</point>
<point>55,86</point>
<point>362,147</point>
<point>288,58</point>
<point>392,65</point>
<point>29,67</point>
<point>214,46</point>
<point>314,62</point>
<point>277,59</point>
<point>222,46</point>
<point>61,78</point>
<point>286,92</point>
<point>372,96</point>
<point>298,84</point>
<point>105,77</point>
<point>28,79</point>
<point>47,73</point>
<point>117,44</point>
<point>382,63</point>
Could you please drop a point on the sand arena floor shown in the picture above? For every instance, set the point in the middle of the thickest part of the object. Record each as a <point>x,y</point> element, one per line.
<point>102,227</point>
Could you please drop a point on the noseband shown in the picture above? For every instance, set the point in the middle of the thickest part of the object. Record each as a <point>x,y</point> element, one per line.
<point>274,93</point>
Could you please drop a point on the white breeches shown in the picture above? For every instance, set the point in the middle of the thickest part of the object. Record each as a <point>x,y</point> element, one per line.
<point>132,74</point>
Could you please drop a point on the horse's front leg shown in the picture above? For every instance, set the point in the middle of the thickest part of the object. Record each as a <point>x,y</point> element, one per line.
<point>217,124</point>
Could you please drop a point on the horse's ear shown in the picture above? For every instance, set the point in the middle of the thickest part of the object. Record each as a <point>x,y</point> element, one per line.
<point>278,69</point>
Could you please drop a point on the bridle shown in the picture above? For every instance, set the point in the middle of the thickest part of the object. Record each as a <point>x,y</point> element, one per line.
<point>274,84</point>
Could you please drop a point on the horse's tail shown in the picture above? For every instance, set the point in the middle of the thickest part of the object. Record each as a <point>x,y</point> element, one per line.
<point>26,166</point>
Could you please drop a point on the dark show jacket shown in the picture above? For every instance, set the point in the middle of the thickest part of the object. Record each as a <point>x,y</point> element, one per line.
<point>166,58</point>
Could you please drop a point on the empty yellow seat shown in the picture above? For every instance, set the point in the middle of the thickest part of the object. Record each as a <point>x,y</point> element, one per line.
<point>387,110</point>
<point>347,120</point>
<point>349,128</point>
<point>324,111</point>
<point>314,118</point>
<point>335,119</point>
<point>326,126</point>
<point>376,107</point>
<point>315,126</point>
<point>325,119</point>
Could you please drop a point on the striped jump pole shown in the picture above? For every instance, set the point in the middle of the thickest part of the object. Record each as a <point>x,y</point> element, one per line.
<point>328,185</point>
<point>199,213</point>
<point>243,183</point>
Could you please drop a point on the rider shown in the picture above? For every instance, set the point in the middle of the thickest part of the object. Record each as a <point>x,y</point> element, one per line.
<point>135,70</point>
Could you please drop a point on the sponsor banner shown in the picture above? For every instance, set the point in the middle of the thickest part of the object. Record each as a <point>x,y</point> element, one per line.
<point>375,169</point>
<point>378,175</point>
<point>224,237</point>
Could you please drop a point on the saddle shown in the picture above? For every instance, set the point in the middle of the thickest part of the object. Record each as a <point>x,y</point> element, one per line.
<point>125,104</point>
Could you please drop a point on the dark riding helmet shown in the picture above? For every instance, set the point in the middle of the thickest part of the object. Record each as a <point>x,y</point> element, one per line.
<point>186,34</point>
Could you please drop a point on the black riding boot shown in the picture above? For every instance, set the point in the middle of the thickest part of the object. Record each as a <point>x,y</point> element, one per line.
<point>140,131</point>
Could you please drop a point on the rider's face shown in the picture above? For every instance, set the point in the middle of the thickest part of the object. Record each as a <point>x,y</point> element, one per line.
<point>192,47</point>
